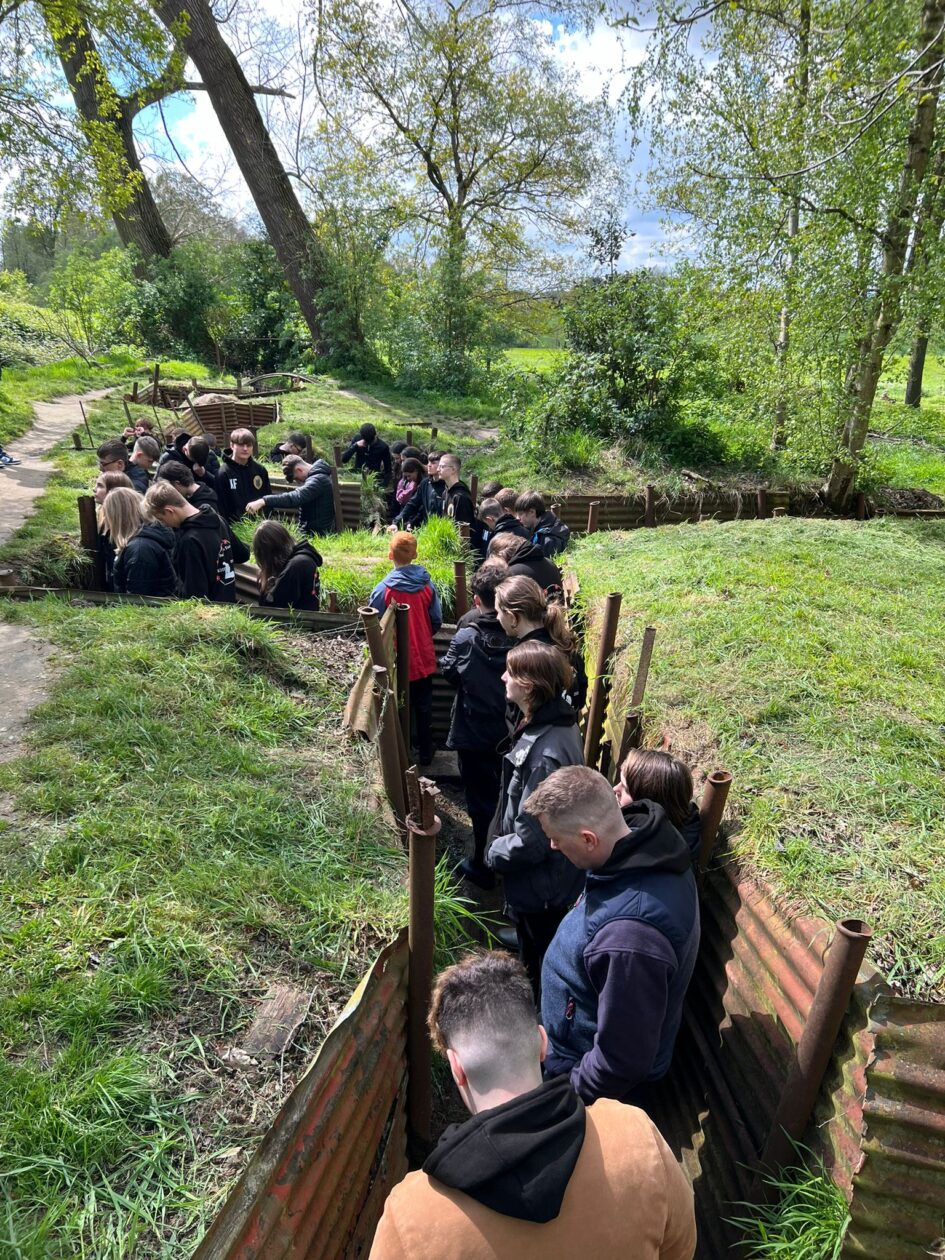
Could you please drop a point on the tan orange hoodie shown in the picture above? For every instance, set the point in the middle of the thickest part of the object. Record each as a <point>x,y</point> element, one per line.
<point>627,1199</point>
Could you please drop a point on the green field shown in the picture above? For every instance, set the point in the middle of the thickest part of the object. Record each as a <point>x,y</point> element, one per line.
<point>808,658</point>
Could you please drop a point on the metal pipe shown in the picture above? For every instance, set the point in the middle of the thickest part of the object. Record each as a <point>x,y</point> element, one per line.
<point>387,743</point>
<point>402,627</point>
<point>422,868</point>
<point>371,624</point>
<point>462,596</point>
<point>474,487</point>
<point>762,503</point>
<point>633,723</point>
<point>649,510</point>
<point>815,1048</point>
<point>85,421</point>
<point>336,496</point>
<point>598,707</point>
<point>88,535</point>
<point>711,808</point>
<point>556,510</point>
<point>593,514</point>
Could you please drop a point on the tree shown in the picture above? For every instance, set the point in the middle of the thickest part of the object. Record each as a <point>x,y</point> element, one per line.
<point>465,99</point>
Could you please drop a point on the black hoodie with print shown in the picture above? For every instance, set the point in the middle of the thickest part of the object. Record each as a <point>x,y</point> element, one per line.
<point>298,585</point>
<point>239,484</point>
<point>203,559</point>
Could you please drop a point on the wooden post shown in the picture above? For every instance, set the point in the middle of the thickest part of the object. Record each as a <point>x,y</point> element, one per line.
<point>474,488</point>
<point>88,534</point>
<point>85,421</point>
<point>333,601</point>
<point>649,512</point>
<point>593,513</point>
<point>633,724</point>
<point>462,596</point>
<point>76,440</point>
<point>422,828</point>
<point>124,403</point>
<point>762,503</point>
<point>336,451</point>
<point>336,496</point>
<point>387,736</point>
<point>409,438</point>
<point>433,431</point>
<point>598,707</point>
<point>134,391</point>
<point>402,625</point>
<point>860,506</point>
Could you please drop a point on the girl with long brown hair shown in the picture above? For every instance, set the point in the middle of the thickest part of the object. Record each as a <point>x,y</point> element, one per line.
<point>288,569</point>
<point>526,615</point>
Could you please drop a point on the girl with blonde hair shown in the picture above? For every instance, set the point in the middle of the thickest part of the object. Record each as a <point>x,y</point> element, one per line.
<point>143,548</point>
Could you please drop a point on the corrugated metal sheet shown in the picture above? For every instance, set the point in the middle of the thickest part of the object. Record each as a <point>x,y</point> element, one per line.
<point>627,511</point>
<point>360,716</point>
<point>316,1187</point>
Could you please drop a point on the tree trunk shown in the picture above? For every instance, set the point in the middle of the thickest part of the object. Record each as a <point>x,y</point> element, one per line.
<point>139,223</point>
<point>916,369</point>
<point>887,308</point>
<point>299,253</point>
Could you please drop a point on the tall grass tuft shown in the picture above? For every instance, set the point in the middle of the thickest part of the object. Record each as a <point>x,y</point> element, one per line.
<point>808,1220</point>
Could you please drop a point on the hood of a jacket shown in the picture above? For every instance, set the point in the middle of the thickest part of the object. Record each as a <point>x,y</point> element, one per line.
<point>556,712</point>
<point>155,532</point>
<point>528,551</point>
<point>179,443</point>
<point>458,487</point>
<point>206,518</point>
<point>230,462</point>
<point>204,495</point>
<point>305,549</point>
<point>516,1159</point>
<point>320,466</point>
<point>412,577</point>
<point>653,843</point>
<point>509,524</point>
<point>549,524</point>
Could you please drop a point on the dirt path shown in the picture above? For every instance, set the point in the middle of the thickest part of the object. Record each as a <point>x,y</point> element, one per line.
<point>22,484</point>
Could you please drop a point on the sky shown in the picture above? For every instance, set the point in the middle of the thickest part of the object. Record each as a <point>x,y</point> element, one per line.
<point>600,59</point>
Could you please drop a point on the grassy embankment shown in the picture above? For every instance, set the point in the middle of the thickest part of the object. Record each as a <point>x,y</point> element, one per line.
<point>188,828</point>
<point>808,658</point>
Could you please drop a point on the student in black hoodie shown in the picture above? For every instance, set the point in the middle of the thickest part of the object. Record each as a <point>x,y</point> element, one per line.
<point>313,498</point>
<point>474,664</point>
<point>496,520</point>
<point>203,557</point>
<point>242,478</point>
<point>457,501</point>
<point>113,457</point>
<point>650,774</point>
<point>199,494</point>
<point>527,616</point>
<point>288,570</point>
<point>371,454</point>
<point>544,528</point>
<point>143,548</point>
<point>196,453</point>
<point>526,559</point>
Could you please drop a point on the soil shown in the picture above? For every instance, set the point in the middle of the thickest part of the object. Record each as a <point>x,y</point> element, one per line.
<point>24,483</point>
<point>24,682</point>
<point>910,500</point>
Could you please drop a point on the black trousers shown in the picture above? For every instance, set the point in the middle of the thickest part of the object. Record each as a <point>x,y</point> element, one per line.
<point>421,716</point>
<point>481,774</point>
<point>536,930</point>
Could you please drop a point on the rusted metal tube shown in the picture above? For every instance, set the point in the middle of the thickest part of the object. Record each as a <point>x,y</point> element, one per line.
<point>464,531</point>
<point>336,496</point>
<point>594,727</point>
<point>371,624</point>
<point>462,595</point>
<point>474,488</point>
<point>409,437</point>
<point>711,808</point>
<point>422,866</point>
<point>633,724</point>
<point>649,509</point>
<point>815,1048</point>
<point>556,509</point>
<point>402,626</point>
<point>387,743</point>
<point>336,452</point>
<point>593,516</point>
<point>88,536</point>
<point>762,503</point>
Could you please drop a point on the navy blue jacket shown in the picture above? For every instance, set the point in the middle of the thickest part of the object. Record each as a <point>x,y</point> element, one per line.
<point>615,976</point>
<point>314,499</point>
<point>145,566</point>
<point>422,504</point>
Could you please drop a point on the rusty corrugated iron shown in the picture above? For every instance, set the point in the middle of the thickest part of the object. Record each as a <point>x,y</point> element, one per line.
<point>316,1186</point>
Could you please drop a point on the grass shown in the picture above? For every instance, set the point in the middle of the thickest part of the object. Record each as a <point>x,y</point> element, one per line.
<point>530,359</point>
<point>916,458</point>
<point>190,828</point>
<point>807,657</point>
<point>806,1221</point>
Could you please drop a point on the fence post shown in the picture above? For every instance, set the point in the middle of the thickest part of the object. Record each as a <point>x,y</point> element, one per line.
<point>814,1050</point>
<point>388,734</point>
<point>860,506</point>
<point>336,496</point>
<point>76,440</point>
<point>633,723</point>
<point>409,437</point>
<point>402,626</point>
<point>649,511</point>
<point>88,535</point>
<point>422,828</point>
<point>433,432</point>
<point>336,452</point>
<point>711,808</point>
<point>474,487</point>
<point>762,503</point>
<point>593,514</point>
<point>380,659</point>
<point>599,692</point>
<point>333,601</point>
<point>459,580</point>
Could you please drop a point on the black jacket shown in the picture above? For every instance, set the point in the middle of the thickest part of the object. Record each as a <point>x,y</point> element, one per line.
<point>314,500</point>
<point>375,458</point>
<point>423,503</point>
<point>577,694</point>
<point>176,453</point>
<point>551,535</point>
<point>474,664</point>
<point>145,566</point>
<point>138,476</point>
<point>509,524</point>
<point>203,559</point>
<point>205,494</point>
<point>530,561</point>
<point>239,484</point>
<point>458,504</point>
<point>298,585</point>
<point>516,1158</point>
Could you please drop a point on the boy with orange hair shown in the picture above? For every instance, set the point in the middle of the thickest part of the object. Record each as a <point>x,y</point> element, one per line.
<point>409,583</point>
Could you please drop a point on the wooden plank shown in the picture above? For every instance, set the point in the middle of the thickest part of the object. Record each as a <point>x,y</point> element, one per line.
<point>280,1014</point>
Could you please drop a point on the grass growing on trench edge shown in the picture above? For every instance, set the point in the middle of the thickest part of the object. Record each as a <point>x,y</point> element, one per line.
<point>807,657</point>
<point>189,828</point>
<point>807,1219</point>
